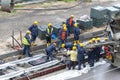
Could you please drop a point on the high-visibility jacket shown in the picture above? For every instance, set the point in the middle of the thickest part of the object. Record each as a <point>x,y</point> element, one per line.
<point>26,40</point>
<point>49,31</point>
<point>63,35</point>
<point>73,55</point>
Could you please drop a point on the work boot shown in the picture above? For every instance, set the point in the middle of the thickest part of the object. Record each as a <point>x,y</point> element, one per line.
<point>78,41</point>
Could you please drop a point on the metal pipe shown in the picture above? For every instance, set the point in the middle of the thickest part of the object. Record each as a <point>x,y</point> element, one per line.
<point>16,41</point>
<point>21,38</point>
<point>13,45</point>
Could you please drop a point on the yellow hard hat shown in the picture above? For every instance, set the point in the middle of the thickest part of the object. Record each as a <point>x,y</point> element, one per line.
<point>72,16</point>
<point>36,22</point>
<point>93,39</point>
<point>74,48</point>
<point>64,25</point>
<point>90,41</point>
<point>98,39</point>
<point>75,25</point>
<point>28,31</point>
<point>105,39</point>
<point>65,28</point>
<point>82,45</point>
<point>75,44</point>
<point>63,45</point>
<point>49,24</point>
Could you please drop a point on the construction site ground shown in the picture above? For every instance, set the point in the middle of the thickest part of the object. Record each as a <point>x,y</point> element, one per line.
<point>20,20</point>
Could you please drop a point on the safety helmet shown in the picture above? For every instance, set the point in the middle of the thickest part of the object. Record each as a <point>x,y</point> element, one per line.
<point>105,39</point>
<point>72,16</point>
<point>75,44</point>
<point>93,39</point>
<point>35,22</point>
<point>82,45</point>
<point>90,41</point>
<point>54,44</point>
<point>28,32</point>
<point>65,28</point>
<point>63,45</point>
<point>98,39</point>
<point>49,24</point>
<point>64,25</point>
<point>74,48</point>
<point>75,25</point>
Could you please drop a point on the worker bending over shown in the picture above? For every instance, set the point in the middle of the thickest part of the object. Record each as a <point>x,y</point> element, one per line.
<point>27,43</point>
<point>49,32</point>
<point>49,51</point>
<point>66,46</point>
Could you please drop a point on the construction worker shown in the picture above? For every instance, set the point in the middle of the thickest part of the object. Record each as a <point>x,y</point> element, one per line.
<point>98,39</point>
<point>97,51</point>
<point>91,57</point>
<point>67,46</point>
<point>34,32</point>
<point>63,34</point>
<point>90,53</point>
<point>70,22</point>
<point>81,55</point>
<point>49,51</point>
<point>49,32</point>
<point>93,40</point>
<point>27,43</point>
<point>76,33</point>
<point>105,39</point>
<point>73,57</point>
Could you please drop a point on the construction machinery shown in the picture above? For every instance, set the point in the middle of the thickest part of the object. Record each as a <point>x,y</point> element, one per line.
<point>112,31</point>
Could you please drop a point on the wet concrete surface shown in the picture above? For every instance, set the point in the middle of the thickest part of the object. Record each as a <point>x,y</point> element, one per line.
<point>102,72</point>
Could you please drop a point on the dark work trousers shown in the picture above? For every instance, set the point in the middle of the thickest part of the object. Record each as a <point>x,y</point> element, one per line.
<point>72,64</point>
<point>33,38</point>
<point>26,49</point>
<point>76,37</point>
<point>48,39</point>
<point>49,55</point>
<point>91,59</point>
<point>81,61</point>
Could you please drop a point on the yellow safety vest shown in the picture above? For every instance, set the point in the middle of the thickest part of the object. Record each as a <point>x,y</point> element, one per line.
<point>25,41</point>
<point>48,30</point>
<point>73,55</point>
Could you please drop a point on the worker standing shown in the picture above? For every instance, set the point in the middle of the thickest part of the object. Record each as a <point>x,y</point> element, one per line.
<point>91,54</point>
<point>70,22</point>
<point>34,32</point>
<point>49,32</point>
<point>81,55</point>
<point>63,35</point>
<point>27,43</point>
<point>73,58</point>
<point>76,33</point>
<point>49,51</point>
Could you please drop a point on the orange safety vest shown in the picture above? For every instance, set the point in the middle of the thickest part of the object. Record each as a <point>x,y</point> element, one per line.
<point>70,22</point>
<point>63,34</point>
